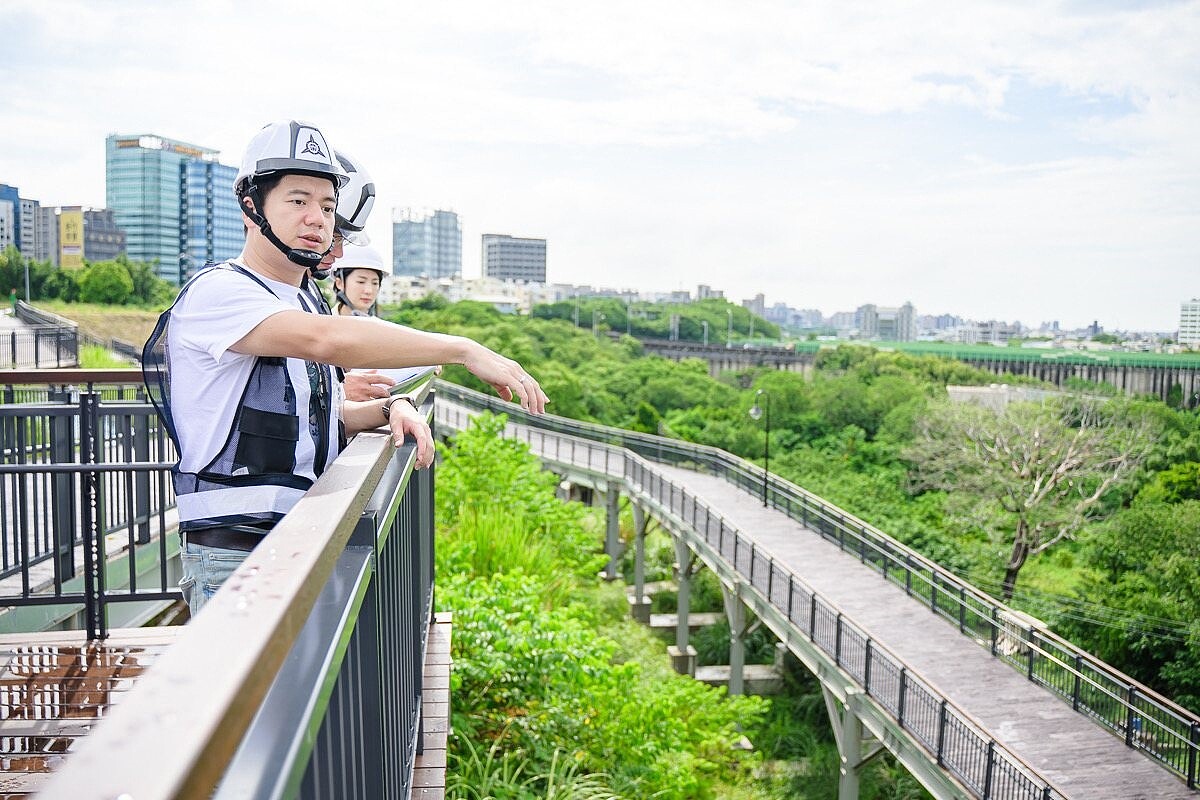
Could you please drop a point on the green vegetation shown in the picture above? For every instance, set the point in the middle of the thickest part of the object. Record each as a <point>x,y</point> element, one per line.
<point>644,320</point>
<point>846,433</point>
<point>117,282</point>
<point>556,693</point>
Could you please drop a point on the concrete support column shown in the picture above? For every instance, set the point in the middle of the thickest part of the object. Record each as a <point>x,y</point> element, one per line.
<point>850,750</point>
<point>639,604</point>
<point>683,655</point>
<point>612,534</point>
<point>735,613</point>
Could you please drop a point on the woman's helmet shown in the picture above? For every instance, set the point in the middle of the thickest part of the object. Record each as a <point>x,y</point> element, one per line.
<point>285,148</point>
<point>356,257</point>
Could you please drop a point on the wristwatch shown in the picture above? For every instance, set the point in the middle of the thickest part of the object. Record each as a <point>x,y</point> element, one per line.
<point>386,408</point>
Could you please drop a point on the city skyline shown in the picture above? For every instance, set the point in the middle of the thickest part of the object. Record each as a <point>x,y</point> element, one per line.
<point>999,163</point>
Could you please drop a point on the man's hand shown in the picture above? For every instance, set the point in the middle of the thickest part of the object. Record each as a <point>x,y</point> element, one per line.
<point>368,385</point>
<point>404,420</point>
<point>507,377</point>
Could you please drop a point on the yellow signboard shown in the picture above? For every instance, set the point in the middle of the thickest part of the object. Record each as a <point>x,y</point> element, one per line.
<point>70,239</point>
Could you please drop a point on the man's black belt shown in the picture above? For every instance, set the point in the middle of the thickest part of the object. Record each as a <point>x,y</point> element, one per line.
<point>226,538</point>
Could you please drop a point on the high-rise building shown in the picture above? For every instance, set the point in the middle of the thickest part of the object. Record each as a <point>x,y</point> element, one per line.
<point>510,258</point>
<point>68,236</point>
<point>46,248</point>
<point>888,324</point>
<point>426,243</point>
<point>175,202</point>
<point>27,227</point>
<point>1189,322</point>
<point>10,216</point>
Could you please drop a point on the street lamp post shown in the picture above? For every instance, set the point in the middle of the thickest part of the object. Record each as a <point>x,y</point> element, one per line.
<point>765,413</point>
<point>704,322</point>
<point>729,334</point>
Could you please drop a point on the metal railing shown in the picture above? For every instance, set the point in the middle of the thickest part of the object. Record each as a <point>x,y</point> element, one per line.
<point>302,676</point>
<point>85,493</point>
<point>1144,719</point>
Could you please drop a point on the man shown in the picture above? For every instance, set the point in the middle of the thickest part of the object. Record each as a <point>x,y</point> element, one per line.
<point>245,387</point>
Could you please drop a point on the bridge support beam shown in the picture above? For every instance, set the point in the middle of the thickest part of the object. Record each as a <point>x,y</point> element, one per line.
<point>612,533</point>
<point>639,604</point>
<point>855,749</point>
<point>735,614</point>
<point>683,655</point>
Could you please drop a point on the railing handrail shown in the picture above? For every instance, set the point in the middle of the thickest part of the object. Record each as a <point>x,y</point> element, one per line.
<point>867,533</point>
<point>191,711</point>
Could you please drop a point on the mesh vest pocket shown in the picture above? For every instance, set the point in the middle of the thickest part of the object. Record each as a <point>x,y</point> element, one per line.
<point>266,442</point>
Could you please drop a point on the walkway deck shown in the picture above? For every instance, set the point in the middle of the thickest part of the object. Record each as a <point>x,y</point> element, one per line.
<point>1079,757</point>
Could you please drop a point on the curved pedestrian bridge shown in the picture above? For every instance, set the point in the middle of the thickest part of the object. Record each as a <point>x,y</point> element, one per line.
<point>327,689</point>
<point>972,697</point>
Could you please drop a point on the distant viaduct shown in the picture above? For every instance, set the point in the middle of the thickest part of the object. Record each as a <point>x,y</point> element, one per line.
<point>1155,379</point>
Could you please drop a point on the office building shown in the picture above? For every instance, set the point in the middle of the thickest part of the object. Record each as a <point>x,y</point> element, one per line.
<point>1189,323</point>
<point>887,323</point>
<point>426,243</point>
<point>8,225</point>
<point>46,248</point>
<point>510,258</point>
<point>27,228</point>
<point>175,202</point>
<point>71,235</point>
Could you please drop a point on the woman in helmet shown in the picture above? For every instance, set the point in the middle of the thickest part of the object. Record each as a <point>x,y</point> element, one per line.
<point>356,280</point>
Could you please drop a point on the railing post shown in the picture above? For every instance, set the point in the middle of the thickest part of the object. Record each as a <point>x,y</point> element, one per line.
<point>837,640</point>
<point>1031,638</point>
<point>941,734</point>
<point>901,693</point>
<point>962,609</point>
<point>93,536</point>
<point>1193,746</point>
<point>867,668</point>
<point>1131,718</point>
<point>933,587</point>
<point>908,574</point>
<point>1079,681</point>
<point>995,628</point>
<point>987,775</point>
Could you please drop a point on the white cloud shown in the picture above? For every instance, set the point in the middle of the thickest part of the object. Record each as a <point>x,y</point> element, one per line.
<point>817,151</point>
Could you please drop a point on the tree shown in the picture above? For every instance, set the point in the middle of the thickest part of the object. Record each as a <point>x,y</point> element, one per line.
<point>1036,471</point>
<point>105,282</point>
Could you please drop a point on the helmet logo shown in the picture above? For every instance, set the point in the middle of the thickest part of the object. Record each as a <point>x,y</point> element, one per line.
<point>312,147</point>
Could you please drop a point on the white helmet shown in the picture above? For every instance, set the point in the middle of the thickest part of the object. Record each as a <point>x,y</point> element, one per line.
<point>359,257</point>
<point>284,148</point>
<point>356,257</point>
<point>355,200</point>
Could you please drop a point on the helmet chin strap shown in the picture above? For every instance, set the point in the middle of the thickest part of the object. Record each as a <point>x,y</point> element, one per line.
<point>310,259</point>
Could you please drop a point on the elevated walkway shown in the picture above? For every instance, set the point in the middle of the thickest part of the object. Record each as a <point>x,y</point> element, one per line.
<point>1077,756</point>
<point>970,698</point>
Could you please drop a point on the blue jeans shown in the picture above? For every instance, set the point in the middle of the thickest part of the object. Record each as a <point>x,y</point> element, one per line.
<point>204,570</point>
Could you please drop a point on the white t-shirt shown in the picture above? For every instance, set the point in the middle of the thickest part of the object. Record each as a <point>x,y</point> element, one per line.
<point>208,379</point>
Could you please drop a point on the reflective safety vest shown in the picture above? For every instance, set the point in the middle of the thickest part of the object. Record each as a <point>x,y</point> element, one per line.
<point>252,481</point>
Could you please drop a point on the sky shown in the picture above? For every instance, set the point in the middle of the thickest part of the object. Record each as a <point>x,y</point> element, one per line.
<point>1019,161</point>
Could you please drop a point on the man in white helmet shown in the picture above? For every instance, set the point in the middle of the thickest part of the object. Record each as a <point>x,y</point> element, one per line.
<point>244,384</point>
